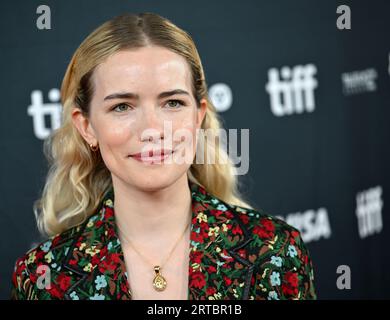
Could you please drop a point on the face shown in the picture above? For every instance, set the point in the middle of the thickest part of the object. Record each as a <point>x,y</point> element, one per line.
<point>142,104</point>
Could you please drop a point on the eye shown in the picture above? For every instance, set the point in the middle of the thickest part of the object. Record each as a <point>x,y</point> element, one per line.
<point>177,103</point>
<point>118,107</point>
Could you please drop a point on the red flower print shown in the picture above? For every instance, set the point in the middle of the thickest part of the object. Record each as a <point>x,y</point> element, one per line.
<point>20,268</point>
<point>63,281</point>
<point>262,233</point>
<point>55,240</point>
<point>95,260</point>
<point>242,252</point>
<point>211,269</point>
<point>55,292</point>
<point>196,256</point>
<point>33,277</point>
<point>289,291</point>
<point>199,237</point>
<point>108,213</point>
<point>265,230</point>
<point>103,252</point>
<point>268,225</point>
<point>111,233</point>
<point>291,278</point>
<point>228,281</point>
<point>201,190</point>
<point>197,280</point>
<point>244,218</point>
<point>110,263</point>
<point>294,234</point>
<point>114,257</point>
<point>229,214</point>
<point>124,287</point>
<point>39,255</point>
<point>72,262</point>
<point>216,213</point>
<point>210,291</point>
<point>290,284</point>
<point>203,226</point>
<point>236,230</point>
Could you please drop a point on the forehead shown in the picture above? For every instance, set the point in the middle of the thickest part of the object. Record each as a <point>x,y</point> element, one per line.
<point>146,70</point>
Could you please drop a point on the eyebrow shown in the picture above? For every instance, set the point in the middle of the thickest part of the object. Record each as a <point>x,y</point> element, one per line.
<point>130,95</point>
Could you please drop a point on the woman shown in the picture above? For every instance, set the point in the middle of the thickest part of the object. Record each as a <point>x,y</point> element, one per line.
<point>127,218</point>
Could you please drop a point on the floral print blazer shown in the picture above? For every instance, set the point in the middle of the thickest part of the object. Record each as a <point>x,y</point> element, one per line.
<point>236,253</point>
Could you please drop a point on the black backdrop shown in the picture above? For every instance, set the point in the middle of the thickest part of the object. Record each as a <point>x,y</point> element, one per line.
<point>322,164</point>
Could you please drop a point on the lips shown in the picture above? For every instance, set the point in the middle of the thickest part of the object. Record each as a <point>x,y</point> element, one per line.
<point>152,155</point>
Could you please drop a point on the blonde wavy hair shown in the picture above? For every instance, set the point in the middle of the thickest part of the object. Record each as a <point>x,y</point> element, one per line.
<point>78,178</point>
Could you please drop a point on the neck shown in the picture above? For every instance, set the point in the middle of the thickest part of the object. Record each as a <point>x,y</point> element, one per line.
<point>153,216</point>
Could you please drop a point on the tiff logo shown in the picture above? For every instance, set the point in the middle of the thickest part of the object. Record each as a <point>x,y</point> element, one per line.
<point>369,211</point>
<point>293,90</point>
<point>38,110</point>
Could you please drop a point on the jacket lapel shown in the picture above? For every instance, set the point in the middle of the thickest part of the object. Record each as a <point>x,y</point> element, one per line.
<point>219,268</point>
<point>218,263</point>
<point>97,258</point>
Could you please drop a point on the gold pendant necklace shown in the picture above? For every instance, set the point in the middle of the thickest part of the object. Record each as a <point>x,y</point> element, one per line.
<point>159,282</point>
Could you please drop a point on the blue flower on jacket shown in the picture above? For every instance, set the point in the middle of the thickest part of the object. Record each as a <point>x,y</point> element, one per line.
<point>100,282</point>
<point>292,252</point>
<point>214,201</point>
<point>195,244</point>
<point>221,207</point>
<point>275,278</point>
<point>97,297</point>
<point>272,295</point>
<point>74,296</point>
<point>46,246</point>
<point>277,261</point>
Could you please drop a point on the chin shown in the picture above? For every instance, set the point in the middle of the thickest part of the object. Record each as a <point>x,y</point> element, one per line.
<point>154,182</point>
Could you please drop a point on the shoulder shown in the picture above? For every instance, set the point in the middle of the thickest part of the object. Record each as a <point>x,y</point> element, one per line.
<point>267,230</point>
<point>264,226</point>
<point>282,262</point>
<point>48,252</point>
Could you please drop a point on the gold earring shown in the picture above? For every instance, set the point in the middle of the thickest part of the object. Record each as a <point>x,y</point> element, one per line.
<point>94,148</point>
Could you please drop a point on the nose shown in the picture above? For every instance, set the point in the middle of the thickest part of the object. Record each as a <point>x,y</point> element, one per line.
<point>151,128</point>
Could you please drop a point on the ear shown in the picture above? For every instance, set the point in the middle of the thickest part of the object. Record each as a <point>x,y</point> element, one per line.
<point>201,112</point>
<point>83,126</point>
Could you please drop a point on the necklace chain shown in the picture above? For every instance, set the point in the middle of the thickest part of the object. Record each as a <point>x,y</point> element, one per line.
<point>127,240</point>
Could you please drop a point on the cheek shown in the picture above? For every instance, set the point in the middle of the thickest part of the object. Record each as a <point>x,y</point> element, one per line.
<point>184,133</point>
<point>115,133</point>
